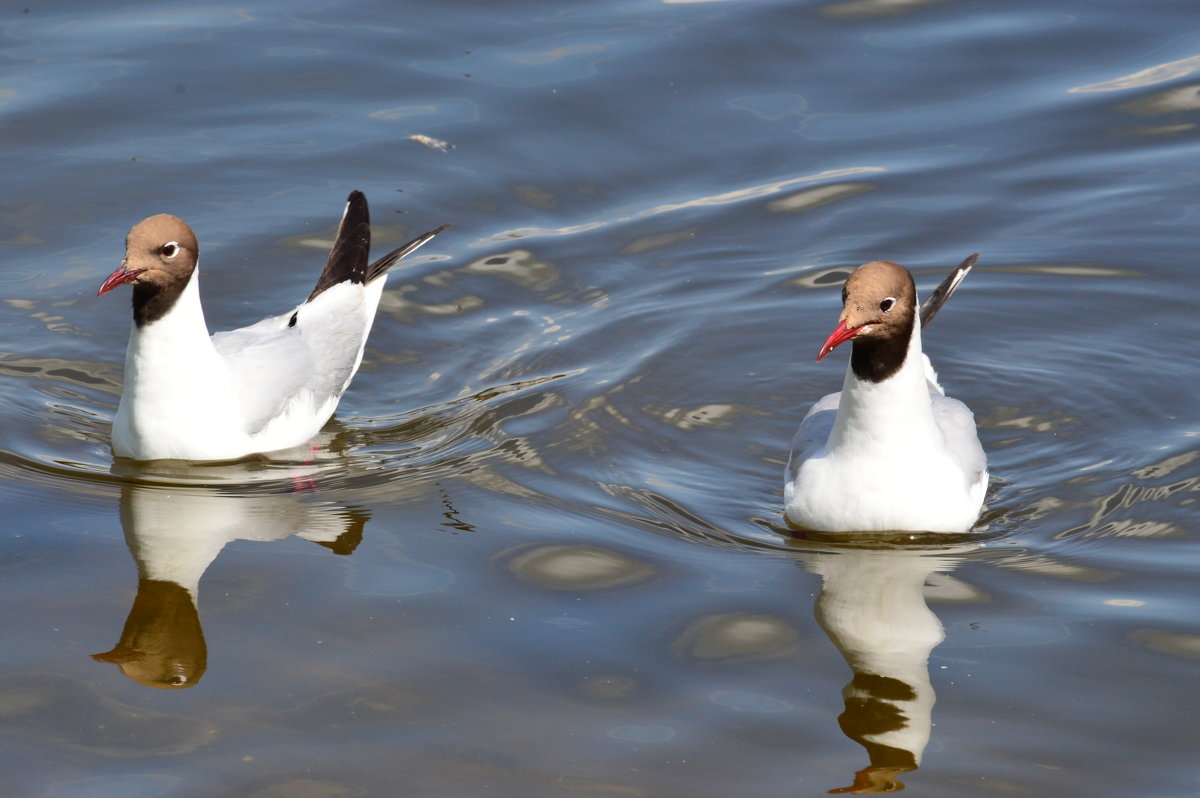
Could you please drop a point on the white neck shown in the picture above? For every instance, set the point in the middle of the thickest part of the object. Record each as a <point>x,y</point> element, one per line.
<point>183,326</point>
<point>174,378</point>
<point>895,412</point>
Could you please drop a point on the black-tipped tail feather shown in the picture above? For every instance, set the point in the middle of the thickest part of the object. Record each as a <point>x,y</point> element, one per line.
<point>933,303</point>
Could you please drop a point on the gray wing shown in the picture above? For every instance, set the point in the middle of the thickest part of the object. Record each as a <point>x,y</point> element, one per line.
<point>302,361</point>
<point>298,361</point>
<point>813,433</point>
<point>957,423</point>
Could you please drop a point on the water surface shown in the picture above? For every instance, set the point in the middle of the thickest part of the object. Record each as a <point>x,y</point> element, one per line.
<point>540,549</point>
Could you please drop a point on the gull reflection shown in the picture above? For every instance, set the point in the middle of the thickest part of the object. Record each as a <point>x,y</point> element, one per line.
<point>175,531</point>
<point>872,606</point>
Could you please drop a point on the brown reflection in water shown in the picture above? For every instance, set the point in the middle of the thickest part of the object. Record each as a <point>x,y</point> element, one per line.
<point>872,709</point>
<point>162,644</point>
<point>175,532</point>
<point>872,605</point>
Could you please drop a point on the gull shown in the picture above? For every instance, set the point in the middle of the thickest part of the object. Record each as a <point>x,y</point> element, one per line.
<point>190,395</point>
<point>890,451</point>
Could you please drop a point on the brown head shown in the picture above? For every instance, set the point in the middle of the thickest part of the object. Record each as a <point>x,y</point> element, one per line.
<point>160,255</point>
<point>879,304</point>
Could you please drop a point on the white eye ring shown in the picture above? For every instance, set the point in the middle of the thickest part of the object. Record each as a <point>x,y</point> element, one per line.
<point>169,249</point>
<point>887,304</point>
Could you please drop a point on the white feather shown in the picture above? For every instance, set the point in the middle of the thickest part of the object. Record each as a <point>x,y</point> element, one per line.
<point>261,388</point>
<point>892,455</point>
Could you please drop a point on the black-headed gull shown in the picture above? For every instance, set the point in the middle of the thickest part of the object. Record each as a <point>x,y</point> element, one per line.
<point>890,451</point>
<point>266,387</point>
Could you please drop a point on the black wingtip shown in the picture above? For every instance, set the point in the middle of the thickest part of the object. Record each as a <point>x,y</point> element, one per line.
<point>933,303</point>
<point>356,211</point>
<point>389,260</point>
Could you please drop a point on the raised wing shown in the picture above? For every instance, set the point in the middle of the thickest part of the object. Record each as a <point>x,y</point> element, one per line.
<point>933,303</point>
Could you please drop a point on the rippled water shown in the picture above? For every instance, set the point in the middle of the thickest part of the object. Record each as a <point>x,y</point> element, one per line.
<point>539,551</point>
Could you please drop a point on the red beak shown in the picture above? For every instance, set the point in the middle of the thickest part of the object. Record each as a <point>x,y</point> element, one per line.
<point>122,275</point>
<point>840,335</point>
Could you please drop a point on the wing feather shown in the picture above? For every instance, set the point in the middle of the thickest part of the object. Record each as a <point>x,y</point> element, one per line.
<point>285,368</point>
<point>813,433</point>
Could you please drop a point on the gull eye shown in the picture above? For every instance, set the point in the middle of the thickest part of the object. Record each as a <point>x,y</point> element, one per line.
<point>169,250</point>
<point>887,304</point>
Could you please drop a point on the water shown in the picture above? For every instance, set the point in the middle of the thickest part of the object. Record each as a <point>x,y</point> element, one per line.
<point>539,552</point>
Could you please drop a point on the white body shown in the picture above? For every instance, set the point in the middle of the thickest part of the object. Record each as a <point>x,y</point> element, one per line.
<point>262,388</point>
<point>892,455</point>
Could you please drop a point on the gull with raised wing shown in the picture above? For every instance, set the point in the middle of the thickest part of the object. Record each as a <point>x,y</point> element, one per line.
<point>262,388</point>
<point>890,451</point>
